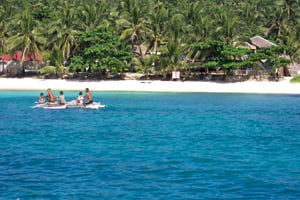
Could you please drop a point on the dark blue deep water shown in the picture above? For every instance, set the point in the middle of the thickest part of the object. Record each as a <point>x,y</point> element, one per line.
<point>151,146</point>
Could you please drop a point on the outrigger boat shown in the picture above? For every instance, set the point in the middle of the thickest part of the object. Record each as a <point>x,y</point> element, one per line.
<point>69,105</point>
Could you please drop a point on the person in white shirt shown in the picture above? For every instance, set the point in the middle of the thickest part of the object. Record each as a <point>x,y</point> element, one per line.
<point>80,99</point>
<point>61,98</point>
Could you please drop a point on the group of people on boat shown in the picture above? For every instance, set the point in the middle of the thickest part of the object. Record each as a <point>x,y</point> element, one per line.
<point>81,99</point>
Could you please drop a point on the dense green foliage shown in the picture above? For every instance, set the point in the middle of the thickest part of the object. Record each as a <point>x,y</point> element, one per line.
<point>173,31</point>
<point>99,50</point>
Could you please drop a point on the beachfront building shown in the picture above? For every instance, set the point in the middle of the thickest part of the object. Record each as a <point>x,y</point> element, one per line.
<point>4,61</point>
<point>11,65</point>
<point>258,42</point>
<point>292,69</point>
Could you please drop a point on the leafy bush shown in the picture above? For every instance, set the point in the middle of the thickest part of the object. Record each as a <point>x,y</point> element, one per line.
<point>48,70</point>
<point>296,79</point>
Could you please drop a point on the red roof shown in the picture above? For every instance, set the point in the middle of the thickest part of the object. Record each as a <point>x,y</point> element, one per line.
<point>5,57</point>
<point>18,56</point>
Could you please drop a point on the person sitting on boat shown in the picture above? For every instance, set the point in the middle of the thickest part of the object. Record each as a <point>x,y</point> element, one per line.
<point>61,98</point>
<point>80,99</point>
<point>50,96</point>
<point>88,96</point>
<point>42,98</point>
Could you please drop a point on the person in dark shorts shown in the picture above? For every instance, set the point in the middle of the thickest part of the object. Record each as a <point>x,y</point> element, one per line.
<point>88,96</point>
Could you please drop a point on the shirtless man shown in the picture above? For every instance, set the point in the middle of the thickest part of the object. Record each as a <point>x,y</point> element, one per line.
<point>50,96</point>
<point>88,96</point>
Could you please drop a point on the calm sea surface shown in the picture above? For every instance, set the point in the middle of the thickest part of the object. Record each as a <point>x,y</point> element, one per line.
<point>151,146</point>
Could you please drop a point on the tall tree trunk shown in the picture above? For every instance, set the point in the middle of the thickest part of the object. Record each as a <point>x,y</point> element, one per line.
<point>22,61</point>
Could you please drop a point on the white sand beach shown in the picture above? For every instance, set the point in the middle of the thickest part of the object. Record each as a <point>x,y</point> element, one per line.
<point>267,87</point>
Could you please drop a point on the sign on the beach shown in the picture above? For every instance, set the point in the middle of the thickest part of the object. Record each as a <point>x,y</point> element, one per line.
<point>175,75</point>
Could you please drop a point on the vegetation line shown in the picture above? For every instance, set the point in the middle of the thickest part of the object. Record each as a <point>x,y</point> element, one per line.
<point>102,39</point>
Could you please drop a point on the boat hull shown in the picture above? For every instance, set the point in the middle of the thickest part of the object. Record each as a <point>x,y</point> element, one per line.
<point>69,106</point>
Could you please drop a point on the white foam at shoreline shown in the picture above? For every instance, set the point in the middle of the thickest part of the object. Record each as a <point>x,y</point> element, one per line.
<point>281,87</point>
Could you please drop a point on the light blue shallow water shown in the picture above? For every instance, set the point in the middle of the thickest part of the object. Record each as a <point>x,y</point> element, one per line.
<point>152,146</point>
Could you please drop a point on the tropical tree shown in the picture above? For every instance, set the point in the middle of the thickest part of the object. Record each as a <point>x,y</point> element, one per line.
<point>93,13</point>
<point>171,58</point>
<point>5,14</point>
<point>132,24</point>
<point>28,36</point>
<point>199,29</point>
<point>198,23</point>
<point>251,21</point>
<point>56,59</point>
<point>207,53</point>
<point>62,30</point>
<point>41,11</point>
<point>156,28</point>
<point>227,25</point>
<point>100,51</point>
<point>278,24</point>
<point>232,58</point>
<point>291,7</point>
<point>146,65</point>
<point>176,28</point>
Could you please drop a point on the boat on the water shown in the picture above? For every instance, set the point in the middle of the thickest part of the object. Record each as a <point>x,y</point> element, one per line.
<point>69,105</point>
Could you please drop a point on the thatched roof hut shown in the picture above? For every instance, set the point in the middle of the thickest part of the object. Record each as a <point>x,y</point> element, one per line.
<point>261,42</point>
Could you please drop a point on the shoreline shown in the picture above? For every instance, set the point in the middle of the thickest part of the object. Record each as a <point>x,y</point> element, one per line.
<point>255,87</point>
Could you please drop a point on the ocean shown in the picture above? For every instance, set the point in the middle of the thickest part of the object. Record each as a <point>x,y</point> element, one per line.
<point>151,146</point>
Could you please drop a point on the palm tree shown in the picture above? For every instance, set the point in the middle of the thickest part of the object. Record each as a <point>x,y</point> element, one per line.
<point>62,30</point>
<point>57,60</point>
<point>176,27</point>
<point>171,58</point>
<point>227,25</point>
<point>199,29</point>
<point>250,13</point>
<point>146,65</point>
<point>56,66</point>
<point>92,13</point>
<point>193,12</point>
<point>28,36</point>
<point>132,24</point>
<point>199,24</point>
<point>156,26</point>
<point>290,7</point>
<point>292,40</point>
<point>278,24</point>
<point>5,14</point>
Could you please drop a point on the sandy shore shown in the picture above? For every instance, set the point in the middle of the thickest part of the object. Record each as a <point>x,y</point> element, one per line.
<point>281,87</point>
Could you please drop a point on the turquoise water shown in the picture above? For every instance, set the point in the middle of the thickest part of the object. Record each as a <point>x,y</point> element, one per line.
<point>151,146</point>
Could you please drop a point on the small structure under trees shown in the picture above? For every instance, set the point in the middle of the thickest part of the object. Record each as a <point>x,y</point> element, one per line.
<point>11,64</point>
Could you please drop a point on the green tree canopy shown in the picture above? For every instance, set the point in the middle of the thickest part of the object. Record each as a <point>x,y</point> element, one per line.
<point>100,49</point>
